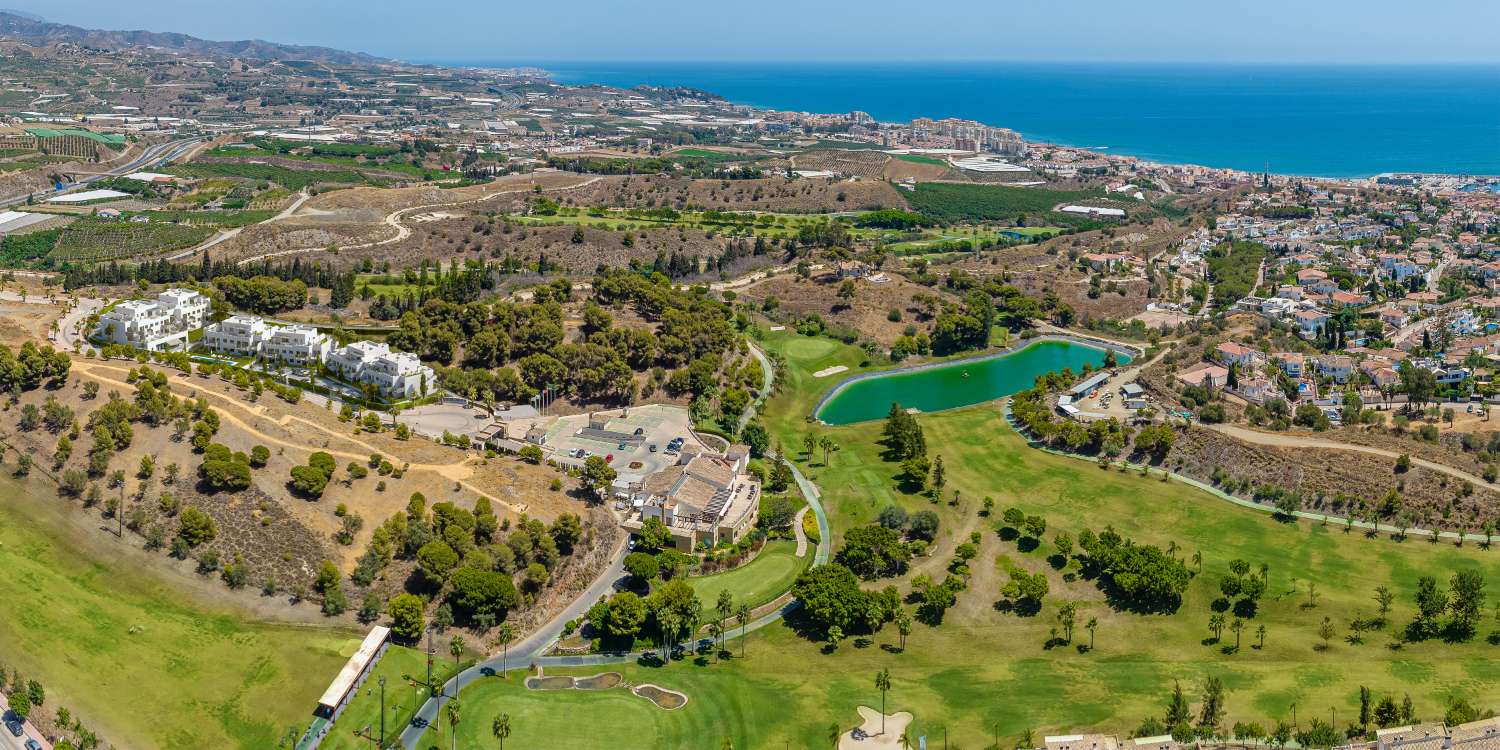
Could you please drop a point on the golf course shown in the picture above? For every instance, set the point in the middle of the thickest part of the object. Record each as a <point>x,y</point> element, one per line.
<point>986,670</point>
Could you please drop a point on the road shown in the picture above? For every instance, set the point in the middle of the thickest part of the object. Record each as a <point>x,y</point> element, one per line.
<point>528,652</point>
<point>229,233</point>
<point>393,220</point>
<point>522,654</point>
<point>158,154</point>
<point>11,742</point>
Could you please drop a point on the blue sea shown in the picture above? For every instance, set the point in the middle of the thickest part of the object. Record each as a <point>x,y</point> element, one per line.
<point>1334,121</point>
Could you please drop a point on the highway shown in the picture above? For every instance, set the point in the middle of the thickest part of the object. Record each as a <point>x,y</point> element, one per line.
<point>153,156</point>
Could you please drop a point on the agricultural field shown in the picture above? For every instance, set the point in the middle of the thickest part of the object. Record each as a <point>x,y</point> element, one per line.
<point>210,218</point>
<point>291,179</point>
<point>92,239</point>
<point>953,202</point>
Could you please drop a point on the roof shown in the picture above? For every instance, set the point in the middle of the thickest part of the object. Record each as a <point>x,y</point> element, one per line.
<point>108,139</point>
<point>356,666</point>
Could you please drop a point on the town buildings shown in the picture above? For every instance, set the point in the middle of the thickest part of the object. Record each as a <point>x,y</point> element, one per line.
<point>704,499</point>
<point>162,324</point>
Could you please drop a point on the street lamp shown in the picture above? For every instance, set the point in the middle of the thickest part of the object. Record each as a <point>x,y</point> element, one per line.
<point>382,712</point>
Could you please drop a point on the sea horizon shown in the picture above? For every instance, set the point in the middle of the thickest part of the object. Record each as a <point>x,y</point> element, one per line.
<point>1345,120</point>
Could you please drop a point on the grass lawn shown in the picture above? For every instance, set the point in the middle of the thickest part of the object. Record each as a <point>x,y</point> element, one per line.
<point>405,670</point>
<point>135,657</point>
<point>920,159</point>
<point>757,582</point>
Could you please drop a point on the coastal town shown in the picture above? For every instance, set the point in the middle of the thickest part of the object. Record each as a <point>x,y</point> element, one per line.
<point>353,402</point>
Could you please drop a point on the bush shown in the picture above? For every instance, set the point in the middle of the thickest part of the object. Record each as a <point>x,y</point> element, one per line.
<point>195,527</point>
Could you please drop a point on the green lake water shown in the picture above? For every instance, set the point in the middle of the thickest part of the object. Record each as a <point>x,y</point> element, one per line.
<point>958,384</point>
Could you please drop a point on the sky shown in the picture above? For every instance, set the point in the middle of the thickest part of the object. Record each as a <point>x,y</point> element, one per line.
<point>517,31</point>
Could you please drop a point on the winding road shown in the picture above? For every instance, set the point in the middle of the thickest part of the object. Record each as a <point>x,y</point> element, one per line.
<point>530,650</point>
<point>393,220</point>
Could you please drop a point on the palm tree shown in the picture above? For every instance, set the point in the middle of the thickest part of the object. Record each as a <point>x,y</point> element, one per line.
<point>903,626</point>
<point>1216,624</point>
<point>834,733</point>
<point>504,636</point>
<point>809,444</point>
<point>1090,625</point>
<point>1237,626</point>
<point>501,728</point>
<point>1260,633</point>
<point>827,444</point>
<point>1198,560</point>
<point>456,648</point>
<point>454,714</point>
<point>725,610</point>
<point>742,615</point>
<point>883,684</point>
<point>906,741</point>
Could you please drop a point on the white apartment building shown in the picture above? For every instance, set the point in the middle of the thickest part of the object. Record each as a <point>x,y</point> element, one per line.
<point>397,374</point>
<point>155,325</point>
<point>238,335</point>
<point>189,308</point>
<point>296,345</point>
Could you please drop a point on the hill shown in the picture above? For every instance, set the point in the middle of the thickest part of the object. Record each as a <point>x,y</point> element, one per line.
<point>34,30</point>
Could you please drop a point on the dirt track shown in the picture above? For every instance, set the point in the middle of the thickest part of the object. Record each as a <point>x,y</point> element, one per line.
<point>1282,440</point>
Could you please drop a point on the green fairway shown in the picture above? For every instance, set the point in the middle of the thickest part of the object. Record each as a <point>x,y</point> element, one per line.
<point>757,582</point>
<point>984,670</point>
<point>132,655</point>
<point>404,670</point>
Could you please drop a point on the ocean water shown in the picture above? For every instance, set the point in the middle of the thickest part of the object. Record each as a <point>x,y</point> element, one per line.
<point>1334,121</point>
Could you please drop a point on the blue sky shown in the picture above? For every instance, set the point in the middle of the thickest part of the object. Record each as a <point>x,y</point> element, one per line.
<point>1292,31</point>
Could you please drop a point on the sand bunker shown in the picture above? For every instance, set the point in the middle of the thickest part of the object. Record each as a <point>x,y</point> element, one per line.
<point>601,681</point>
<point>872,739</point>
<point>669,700</point>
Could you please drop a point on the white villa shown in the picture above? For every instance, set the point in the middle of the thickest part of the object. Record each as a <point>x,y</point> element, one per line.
<point>239,335</point>
<point>156,325</point>
<point>394,373</point>
<point>704,498</point>
<point>297,345</point>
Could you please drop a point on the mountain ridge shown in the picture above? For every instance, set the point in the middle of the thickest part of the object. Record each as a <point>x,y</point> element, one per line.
<point>28,27</point>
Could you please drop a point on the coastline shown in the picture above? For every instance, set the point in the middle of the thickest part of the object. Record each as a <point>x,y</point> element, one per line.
<point>1165,114</point>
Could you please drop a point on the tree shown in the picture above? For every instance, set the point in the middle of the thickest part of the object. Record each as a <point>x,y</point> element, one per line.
<point>436,560</point>
<point>455,712</point>
<point>834,636</point>
<point>641,566</point>
<point>1090,626</point>
<point>500,728</point>
<point>406,616</point>
<point>1430,604</point>
<point>903,626</point>
<point>195,527</point>
<point>873,551</point>
<point>883,684</point>
<point>1466,599</point>
<point>1326,632</point>
<point>742,616</point>
<point>1067,615</point>
<point>1237,626</point>
<point>1384,597</point>
<point>939,476</point>
<point>19,702</point>
<point>598,474</point>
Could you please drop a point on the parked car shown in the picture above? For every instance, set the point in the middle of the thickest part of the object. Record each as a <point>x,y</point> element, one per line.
<point>15,727</point>
<point>652,447</point>
<point>33,745</point>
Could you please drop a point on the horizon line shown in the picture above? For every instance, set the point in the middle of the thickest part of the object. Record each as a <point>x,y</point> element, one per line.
<point>541,62</point>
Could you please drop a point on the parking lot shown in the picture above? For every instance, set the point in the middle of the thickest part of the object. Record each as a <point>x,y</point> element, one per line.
<point>571,437</point>
<point>435,419</point>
